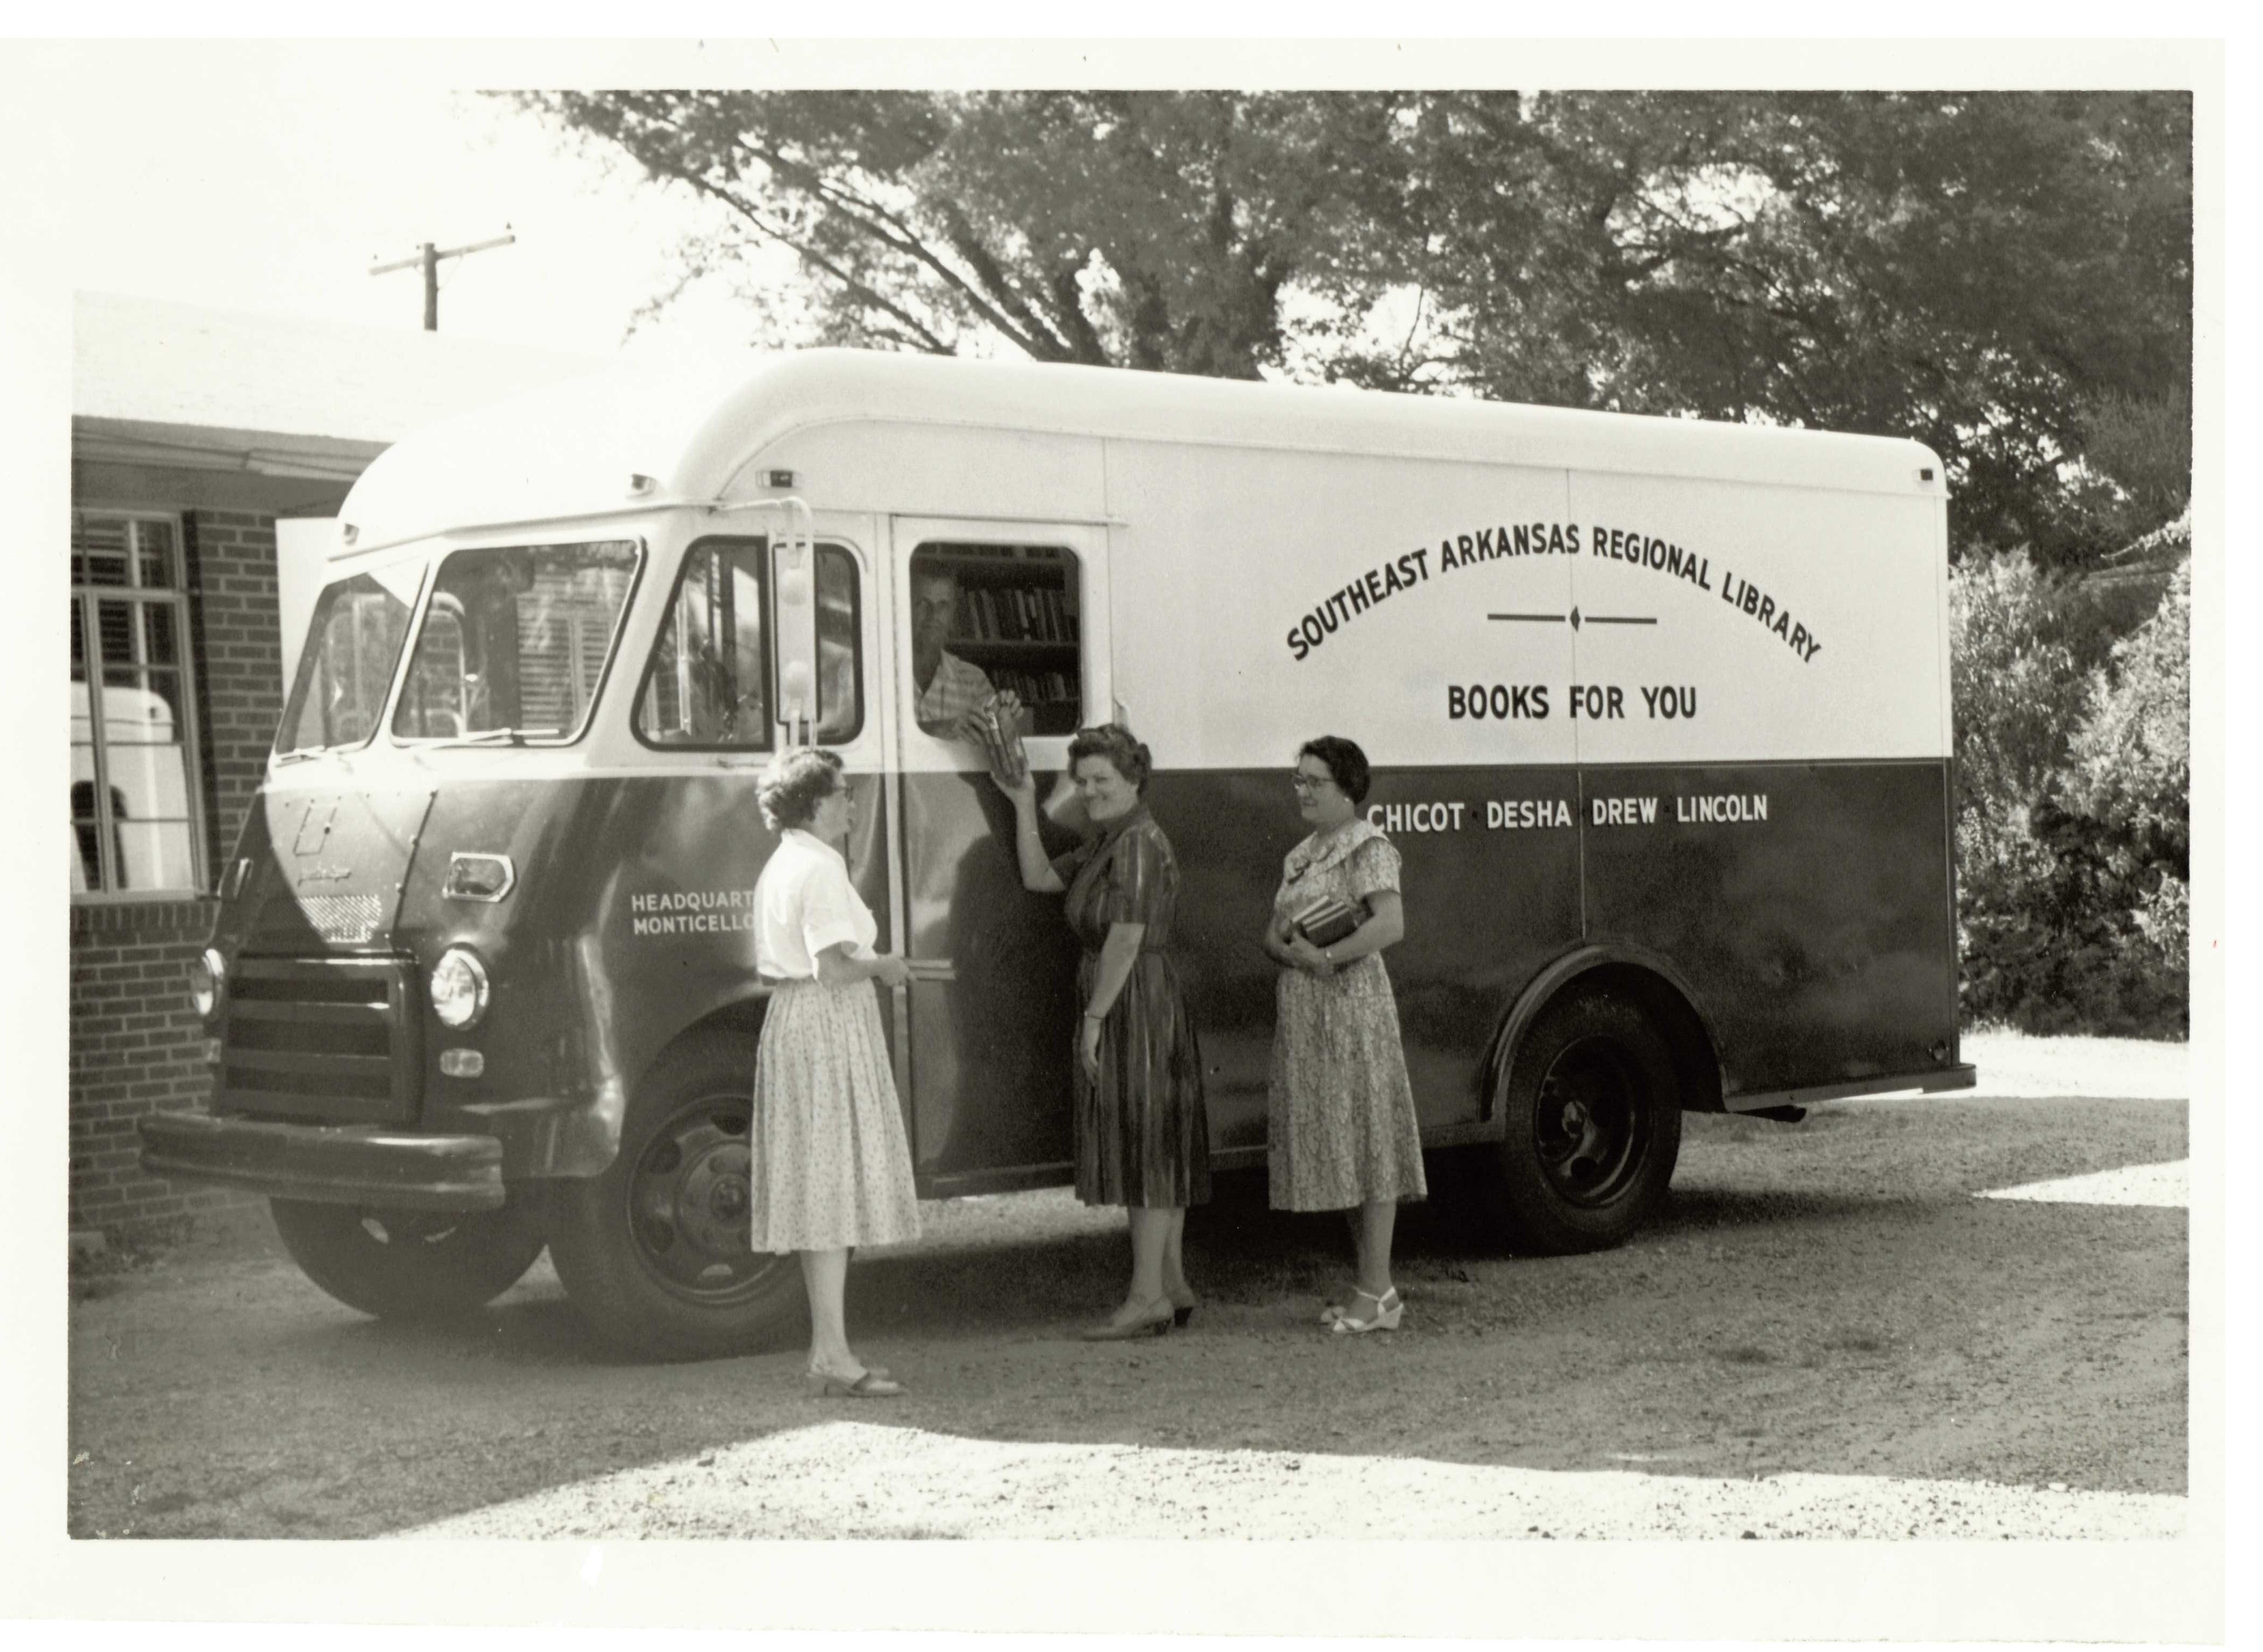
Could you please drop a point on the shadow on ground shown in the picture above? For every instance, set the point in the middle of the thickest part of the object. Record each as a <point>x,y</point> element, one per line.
<point>1801,1305</point>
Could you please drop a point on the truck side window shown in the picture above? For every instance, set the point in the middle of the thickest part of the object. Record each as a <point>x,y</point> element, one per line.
<point>708,685</point>
<point>993,617</point>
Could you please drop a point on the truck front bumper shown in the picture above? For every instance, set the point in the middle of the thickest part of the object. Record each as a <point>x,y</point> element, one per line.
<point>338,1164</point>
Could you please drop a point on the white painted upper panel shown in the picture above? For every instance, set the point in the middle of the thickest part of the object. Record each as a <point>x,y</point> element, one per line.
<point>570,450</point>
<point>1787,623</point>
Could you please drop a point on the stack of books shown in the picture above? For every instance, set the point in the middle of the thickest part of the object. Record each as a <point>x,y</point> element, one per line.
<point>1325,921</point>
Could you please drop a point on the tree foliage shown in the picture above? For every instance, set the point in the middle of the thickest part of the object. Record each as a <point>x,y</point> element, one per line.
<point>2072,827</point>
<point>1123,229</point>
<point>1972,270</point>
<point>2004,276</point>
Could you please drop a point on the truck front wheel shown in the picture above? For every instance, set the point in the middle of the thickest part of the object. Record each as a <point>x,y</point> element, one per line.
<point>409,1264</point>
<point>1592,1115</point>
<point>655,1253</point>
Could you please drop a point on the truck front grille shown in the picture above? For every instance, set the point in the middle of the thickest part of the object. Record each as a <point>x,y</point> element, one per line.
<point>335,1040</point>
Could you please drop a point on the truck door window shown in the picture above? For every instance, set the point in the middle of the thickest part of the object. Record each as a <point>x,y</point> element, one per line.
<point>516,639</point>
<point>707,685</point>
<point>995,618</point>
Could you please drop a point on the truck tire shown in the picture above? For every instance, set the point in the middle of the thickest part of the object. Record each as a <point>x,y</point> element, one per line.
<point>1591,1111</point>
<point>406,1264</point>
<point>655,1253</point>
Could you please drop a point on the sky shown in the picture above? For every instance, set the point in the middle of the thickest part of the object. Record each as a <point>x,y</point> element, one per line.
<point>273,186</point>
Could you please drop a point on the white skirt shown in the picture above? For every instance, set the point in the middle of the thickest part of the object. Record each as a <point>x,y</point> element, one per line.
<point>832,1167</point>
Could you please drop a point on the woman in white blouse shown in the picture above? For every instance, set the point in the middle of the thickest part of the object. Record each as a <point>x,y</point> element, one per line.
<point>832,1168</point>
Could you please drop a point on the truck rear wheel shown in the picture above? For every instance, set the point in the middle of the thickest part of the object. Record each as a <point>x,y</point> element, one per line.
<point>1592,1110</point>
<point>405,1263</point>
<point>655,1253</point>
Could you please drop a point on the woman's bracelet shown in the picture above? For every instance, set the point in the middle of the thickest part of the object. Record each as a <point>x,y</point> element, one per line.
<point>1095,1015</point>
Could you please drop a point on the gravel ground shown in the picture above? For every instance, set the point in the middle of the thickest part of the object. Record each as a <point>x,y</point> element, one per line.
<point>863,1480</point>
<point>1828,1334</point>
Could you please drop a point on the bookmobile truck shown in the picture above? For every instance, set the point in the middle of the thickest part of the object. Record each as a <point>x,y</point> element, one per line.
<point>1659,711</point>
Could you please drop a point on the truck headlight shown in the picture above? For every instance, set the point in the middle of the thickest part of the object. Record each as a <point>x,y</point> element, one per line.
<point>207,981</point>
<point>459,988</point>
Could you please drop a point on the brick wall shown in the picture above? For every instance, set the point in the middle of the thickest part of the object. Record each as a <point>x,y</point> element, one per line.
<point>136,1046</point>
<point>239,661</point>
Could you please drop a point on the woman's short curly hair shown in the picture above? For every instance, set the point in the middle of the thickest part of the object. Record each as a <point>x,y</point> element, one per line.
<point>1120,746</point>
<point>794,782</point>
<point>1347,763</point>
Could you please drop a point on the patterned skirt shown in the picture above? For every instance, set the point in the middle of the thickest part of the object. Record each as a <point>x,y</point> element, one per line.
<point>1340,1114</point>
<point>1142,1130</point>
<point>831,1165</point>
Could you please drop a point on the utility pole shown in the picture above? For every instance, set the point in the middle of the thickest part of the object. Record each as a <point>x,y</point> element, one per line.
<point>428,258</point>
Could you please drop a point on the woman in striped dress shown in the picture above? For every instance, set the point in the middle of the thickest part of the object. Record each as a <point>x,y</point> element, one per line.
<point>832,1168</point>
<point>1142,1132</point>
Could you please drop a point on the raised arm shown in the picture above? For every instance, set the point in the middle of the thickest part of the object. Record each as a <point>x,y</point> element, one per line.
<point>1037,872</point>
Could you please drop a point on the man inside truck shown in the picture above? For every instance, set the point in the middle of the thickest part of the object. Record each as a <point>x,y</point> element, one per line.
<point>949,687</point>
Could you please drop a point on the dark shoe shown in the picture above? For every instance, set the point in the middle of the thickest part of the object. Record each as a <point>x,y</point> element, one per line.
<point>1183,1305</point>
<point>1152,1320</point>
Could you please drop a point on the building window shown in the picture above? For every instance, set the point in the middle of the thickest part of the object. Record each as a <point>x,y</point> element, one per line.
<point>134,807</point>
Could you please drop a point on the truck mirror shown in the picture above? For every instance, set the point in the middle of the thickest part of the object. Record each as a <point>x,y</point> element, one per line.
<point>793,601</point>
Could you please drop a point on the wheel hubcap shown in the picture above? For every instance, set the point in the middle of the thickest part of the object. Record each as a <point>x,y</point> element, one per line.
<point>690,1201</point>
<point>1592,1124</point>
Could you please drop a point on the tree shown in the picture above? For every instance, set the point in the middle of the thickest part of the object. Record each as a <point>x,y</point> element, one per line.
<point>1157,230</point>
<point>1996,274</point>
<point>2005,276</point>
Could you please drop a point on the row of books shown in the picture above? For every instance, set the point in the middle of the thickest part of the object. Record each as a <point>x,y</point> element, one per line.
<point>1036,688</point>
<point>1016,613</point>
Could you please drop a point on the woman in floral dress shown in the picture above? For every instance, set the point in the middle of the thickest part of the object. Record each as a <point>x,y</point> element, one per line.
<point>1340,1109</point>
<point>832,1168</point>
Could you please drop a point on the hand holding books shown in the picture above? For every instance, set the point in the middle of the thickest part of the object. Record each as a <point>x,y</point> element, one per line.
<point>996,725</point>
<point>1326,920</point>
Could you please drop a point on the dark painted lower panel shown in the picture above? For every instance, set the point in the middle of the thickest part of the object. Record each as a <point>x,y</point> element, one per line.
<point>1806,905</point>
<point>1810,913</point>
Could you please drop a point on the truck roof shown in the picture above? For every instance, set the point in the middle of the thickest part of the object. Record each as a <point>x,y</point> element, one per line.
<point>570,449</point>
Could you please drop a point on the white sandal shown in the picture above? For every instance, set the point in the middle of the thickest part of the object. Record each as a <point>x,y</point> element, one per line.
<point>1388,1311</point>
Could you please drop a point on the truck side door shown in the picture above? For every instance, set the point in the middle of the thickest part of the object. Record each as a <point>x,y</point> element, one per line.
<point>986,606</point>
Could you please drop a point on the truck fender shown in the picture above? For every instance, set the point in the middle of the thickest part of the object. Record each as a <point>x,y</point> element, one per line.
<point>1621,958</point>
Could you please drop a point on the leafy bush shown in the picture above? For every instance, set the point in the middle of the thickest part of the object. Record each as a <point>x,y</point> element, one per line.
<point>2018,690</point>
<point>2073,835</point>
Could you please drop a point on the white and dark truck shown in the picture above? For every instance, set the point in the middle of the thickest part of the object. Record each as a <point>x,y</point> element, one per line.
<point>1659,711</point>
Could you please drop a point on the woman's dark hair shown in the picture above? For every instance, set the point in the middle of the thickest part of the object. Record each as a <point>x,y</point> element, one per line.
<point>1347,763</point>
<point>794,782</point>
<point>1120,746</point>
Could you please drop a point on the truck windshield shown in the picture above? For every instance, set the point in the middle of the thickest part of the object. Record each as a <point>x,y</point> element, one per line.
<point>515,641</point>
<point>347,666</point>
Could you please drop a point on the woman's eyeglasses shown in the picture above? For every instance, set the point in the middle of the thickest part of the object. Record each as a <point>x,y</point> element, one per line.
<point>1305,782</point>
